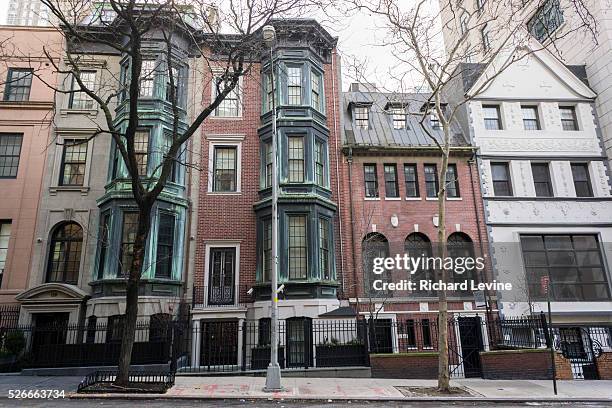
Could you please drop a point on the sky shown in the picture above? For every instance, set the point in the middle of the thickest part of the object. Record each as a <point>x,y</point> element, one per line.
<point>358,35</point>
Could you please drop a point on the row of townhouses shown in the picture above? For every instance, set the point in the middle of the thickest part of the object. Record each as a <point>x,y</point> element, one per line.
<point>529,190</point>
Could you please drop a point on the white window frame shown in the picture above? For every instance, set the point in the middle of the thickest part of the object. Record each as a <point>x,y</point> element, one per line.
<point>224,140</point>
<point>213,95</point>
<point>222,244</point>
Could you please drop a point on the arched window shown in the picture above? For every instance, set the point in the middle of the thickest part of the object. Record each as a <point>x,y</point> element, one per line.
<point>417,245</point>
<point>460,246</point>
<point>374,245</point>
<point>65,253</point>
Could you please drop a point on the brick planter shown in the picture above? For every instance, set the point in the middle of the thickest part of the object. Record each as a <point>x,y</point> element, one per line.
<point>405,365</point>
<point>604,366</point>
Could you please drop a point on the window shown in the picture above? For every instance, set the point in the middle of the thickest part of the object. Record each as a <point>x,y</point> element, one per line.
<point>460,245</point>
<point>417,245</point>
<point>172,89</point>
<point>159,327</point>
<point>374,245</point>
<point>92,322</point>
<point>399,118</point>
<point>174,170</point>
<point>268,164</point>
<point>114,328</point>
<point>294,85</point>
<point>541,179</point>
<point>426,332</point>
<point>530,117</point>
<point>18,85</point>
<point>546,20</point>
<point>269,93</point>
<point>324,249</point>
<point>80,100</point>
<point>492,117</point>
<point>410,333</point>
<point>452,181</point>
<point>147,78</point>
<point>10,149</point>
<point>568,118</point>
<point>502,184</point>
<point>5,236</point>
<point>221,289</point>
<point>315,83</point>
<point>141,150</point>
<point>296,159</point>
<point>74,158</point>
<point>431,180</point>
<point>570,266</point>
<point>480,4</point>
<point>320,163</point>
<point>65,254</point>
<point>412,180</point>
<point>371,180</point>
<point>434,121</point>
<point>125,81</point>
<point>582,182</point>
<point>264,332</point>
<point>165,246</point>
<point>224,169</point>
<point>128,238</point>
<point>267,250</point>
<point>230,106</point>
<point>298,249</point>
<point>485,33</point>
<point>104,240</point>
<point>362,120</point>
<point>391,188</point>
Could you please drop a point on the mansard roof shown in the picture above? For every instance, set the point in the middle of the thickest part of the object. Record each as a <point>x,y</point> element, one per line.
<point>381,133</point>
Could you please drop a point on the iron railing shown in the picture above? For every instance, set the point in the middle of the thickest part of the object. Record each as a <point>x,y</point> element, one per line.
<point>210,297</point>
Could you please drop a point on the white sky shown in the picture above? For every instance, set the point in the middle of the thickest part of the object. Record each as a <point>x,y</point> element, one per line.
<point>358,35</point>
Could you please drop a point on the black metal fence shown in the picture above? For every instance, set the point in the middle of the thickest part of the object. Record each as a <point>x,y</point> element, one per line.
<point>9,315</point>
<point>140,382</point>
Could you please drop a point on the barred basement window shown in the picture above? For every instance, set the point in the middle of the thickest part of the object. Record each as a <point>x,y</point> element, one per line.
<point>371,180</point>
<point>296,159</point>
<point>80,100</point>
<point>412,180</point>
<point>224,169</point>
<point>74,158</point>
<point>294,85</point>
<point>18,84</point>
<point>165,246</point>
<point>324,249</point>
<point>391,187</point>
<point>431,180</point>
<point>298,247</point>
<point>426,329</point>
<point>114,328</point>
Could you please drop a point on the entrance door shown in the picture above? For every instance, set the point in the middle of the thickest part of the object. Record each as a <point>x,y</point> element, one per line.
<point>471,345</point>
<point>219,344</point>
<point>50,332</point>
<point>221,276</point>
<point>299,342</point>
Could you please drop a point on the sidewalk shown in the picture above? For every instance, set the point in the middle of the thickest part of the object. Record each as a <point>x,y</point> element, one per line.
<point>374,389</point>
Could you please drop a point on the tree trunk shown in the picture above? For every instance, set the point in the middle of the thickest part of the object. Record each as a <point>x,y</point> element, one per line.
<point>443,372</point>
<point>131,295</point>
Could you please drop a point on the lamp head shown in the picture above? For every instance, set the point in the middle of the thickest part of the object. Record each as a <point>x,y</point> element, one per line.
<point>269,35</point>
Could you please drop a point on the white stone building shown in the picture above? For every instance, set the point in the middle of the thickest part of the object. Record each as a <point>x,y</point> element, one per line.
<point>545,188</point>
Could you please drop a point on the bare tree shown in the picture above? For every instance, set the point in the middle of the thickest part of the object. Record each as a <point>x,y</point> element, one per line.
<point>128,28</point>
<point>484,32</point>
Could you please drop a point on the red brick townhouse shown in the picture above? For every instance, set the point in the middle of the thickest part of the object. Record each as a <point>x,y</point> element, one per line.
<point>230,238</point>
<point>390,181</point>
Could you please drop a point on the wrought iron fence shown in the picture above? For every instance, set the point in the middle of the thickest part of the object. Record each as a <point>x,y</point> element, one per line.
<point>210,297</point>
<point>141,381</point>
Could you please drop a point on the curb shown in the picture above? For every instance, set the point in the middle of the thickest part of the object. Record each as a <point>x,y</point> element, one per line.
<point>139,397</point>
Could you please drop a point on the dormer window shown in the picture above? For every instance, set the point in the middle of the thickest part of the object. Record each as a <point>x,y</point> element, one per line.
<point>362,117</point>
<point>398,115</point>
<point>434,120</point>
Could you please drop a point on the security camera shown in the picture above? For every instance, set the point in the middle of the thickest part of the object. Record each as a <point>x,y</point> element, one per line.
<point>250,291</point>
<point>280,288</point>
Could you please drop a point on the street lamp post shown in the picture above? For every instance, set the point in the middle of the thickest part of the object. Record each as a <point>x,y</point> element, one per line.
<point>273,374</point>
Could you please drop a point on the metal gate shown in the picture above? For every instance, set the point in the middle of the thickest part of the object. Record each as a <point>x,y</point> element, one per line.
<point>581,349</point>
<point>465,344</point>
